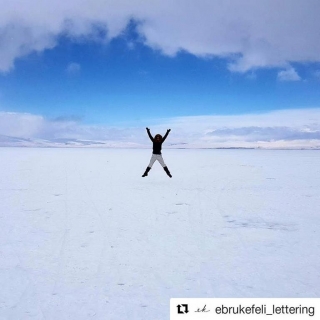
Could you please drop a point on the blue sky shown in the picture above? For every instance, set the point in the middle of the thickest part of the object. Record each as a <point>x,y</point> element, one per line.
<point>111,83</point>
<point>130,65</point>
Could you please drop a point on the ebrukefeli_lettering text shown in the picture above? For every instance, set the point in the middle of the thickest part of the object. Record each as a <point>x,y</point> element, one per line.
<point>264,309</point>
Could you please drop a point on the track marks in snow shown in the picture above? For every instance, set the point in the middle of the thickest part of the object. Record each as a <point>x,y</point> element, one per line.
<point>65,235</point>
<point>261,224</point>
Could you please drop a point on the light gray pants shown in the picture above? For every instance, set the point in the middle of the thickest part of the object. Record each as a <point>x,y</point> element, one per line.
<point>156,157</point>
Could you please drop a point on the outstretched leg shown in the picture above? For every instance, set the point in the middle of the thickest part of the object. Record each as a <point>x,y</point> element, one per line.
<point>167,171</point>
<point>152,160</point>
<point>164,166</point>
<point>146,172</point>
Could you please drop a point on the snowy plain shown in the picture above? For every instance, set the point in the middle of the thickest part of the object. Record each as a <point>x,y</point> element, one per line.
<point>84,236</point>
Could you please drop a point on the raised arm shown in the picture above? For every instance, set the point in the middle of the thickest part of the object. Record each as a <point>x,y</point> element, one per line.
<point>149,134</point>
<point>165,136</point>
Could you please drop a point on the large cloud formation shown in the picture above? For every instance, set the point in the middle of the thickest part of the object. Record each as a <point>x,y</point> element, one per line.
<point>276,129</point>
<point>251,33</point>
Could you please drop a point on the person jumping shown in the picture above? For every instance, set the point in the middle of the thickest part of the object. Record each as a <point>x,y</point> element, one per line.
<point>156,154</point>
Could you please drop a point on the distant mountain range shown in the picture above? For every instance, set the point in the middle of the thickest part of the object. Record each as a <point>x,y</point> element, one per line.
<point>8,141</point>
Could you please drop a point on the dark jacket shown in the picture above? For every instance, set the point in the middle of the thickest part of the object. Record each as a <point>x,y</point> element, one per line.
<point>157,145</point>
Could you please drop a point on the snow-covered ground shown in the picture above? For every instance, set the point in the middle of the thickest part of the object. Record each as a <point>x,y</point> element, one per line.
<point>84,236</point>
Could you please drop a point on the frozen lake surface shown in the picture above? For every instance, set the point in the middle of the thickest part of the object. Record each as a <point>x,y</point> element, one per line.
<point>84,236</point>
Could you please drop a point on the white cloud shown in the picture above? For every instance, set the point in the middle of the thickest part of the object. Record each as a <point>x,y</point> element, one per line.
<point>73,68</point>
<point>253,34</point>
<point>20,124</point>
<point>35,127</point>
<point>253,133</point>
<point>289,74</point>
<point>277,129</point>
<point>317,74</point>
